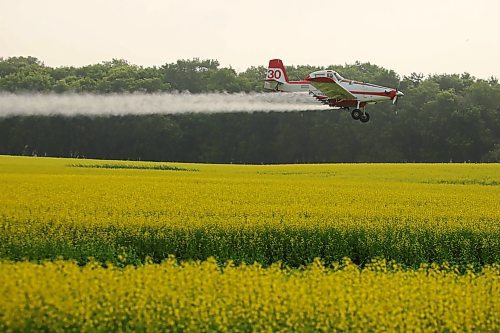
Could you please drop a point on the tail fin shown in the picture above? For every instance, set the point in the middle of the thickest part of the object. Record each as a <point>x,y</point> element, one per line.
<point>276,71</point>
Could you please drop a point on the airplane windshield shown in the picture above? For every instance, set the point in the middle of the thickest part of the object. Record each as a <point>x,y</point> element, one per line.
<point>338,77</point>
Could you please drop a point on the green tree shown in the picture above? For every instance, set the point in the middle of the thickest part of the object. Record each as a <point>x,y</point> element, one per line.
<point>27,80</point>
<point>223,79</point>
<point>189,75</point>
<point>251,80</point>
<point>14,65</point>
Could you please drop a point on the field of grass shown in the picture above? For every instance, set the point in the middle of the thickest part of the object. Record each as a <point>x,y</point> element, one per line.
<point>68,225</point>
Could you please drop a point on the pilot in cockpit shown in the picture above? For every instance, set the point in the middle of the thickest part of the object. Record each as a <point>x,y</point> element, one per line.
<point>332,74</point>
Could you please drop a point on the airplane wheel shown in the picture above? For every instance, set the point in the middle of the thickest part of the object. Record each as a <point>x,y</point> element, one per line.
<point>356,114</point>
<point>365,117</point>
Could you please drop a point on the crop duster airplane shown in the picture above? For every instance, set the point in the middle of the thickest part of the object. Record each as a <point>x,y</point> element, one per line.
<point>331,89</point>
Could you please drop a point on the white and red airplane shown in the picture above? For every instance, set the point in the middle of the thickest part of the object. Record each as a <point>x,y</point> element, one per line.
<point>331,89</point>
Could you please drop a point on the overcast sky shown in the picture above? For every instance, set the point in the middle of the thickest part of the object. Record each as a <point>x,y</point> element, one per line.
<point>428,36</point>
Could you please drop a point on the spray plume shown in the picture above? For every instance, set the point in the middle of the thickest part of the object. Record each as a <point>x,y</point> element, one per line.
<point>142,104</point>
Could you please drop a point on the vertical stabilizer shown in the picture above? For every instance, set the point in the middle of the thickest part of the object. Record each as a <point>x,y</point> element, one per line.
<point>276,71</point>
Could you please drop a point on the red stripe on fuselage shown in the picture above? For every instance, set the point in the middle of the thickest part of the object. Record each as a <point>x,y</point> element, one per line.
<point>320,79</point>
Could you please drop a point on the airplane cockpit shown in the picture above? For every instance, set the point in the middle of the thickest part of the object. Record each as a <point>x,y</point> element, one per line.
<point>333,74</point>
<point>328,73</point>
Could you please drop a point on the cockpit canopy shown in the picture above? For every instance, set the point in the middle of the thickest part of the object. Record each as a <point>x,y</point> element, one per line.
<point>327,73</point>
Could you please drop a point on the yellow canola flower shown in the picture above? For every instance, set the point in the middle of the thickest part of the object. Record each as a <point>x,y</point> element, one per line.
<point>284,212</point>
<point>61,296</point>
<point>410,212</point>
<point>43,190</point>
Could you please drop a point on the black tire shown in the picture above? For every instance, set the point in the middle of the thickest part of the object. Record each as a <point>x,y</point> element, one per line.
<point>356,114</point>
<point>365,117</point>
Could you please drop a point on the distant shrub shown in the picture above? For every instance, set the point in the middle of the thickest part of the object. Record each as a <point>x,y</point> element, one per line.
<point>132,166</point>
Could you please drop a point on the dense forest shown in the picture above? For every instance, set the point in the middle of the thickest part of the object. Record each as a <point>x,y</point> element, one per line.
<point>441,118</point>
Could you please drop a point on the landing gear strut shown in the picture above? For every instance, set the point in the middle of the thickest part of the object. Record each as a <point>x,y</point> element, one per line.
<point>358,114</point>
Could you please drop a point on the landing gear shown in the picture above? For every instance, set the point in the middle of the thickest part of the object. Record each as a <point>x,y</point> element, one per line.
<point>356,114</point>
<point>364,117</point>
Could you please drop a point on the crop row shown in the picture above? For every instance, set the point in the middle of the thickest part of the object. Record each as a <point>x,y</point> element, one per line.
<point>266,245</point>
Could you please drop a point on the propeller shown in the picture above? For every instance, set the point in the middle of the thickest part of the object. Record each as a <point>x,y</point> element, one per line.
<point>397,94</point>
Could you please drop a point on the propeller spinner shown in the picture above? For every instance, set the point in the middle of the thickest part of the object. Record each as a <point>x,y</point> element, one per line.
<point>398,94</point>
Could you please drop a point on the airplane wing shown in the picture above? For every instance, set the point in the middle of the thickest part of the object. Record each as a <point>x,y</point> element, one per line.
<point>332,90</point>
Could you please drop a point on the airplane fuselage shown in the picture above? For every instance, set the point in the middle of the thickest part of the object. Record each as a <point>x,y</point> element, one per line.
<point>331,89</point>
<point>363,92</point>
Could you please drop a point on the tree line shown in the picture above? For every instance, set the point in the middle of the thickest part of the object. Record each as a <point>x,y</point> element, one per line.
<point>441,118</point>
<point>28,74</point>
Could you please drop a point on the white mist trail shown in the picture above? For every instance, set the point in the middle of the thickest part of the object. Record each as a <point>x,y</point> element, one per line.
<point>142,104</point>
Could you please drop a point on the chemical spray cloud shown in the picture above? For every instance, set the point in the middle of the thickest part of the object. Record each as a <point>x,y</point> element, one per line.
<point>142,104</point>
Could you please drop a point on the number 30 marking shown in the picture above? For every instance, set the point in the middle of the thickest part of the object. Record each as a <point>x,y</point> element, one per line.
<point>274,74</point>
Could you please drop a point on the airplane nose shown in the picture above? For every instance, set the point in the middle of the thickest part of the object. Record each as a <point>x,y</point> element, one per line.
<point>399,94</point>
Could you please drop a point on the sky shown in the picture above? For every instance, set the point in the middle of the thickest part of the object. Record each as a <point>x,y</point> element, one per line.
<point>425,36</point>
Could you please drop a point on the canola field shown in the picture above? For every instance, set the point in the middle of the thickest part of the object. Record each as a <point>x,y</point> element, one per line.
<point>201,297</point>
<point>90,245</point>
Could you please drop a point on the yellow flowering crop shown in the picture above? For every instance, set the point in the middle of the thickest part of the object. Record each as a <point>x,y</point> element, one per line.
<point>411,213</point>
<point>84,247</point>
<point>198,297</point>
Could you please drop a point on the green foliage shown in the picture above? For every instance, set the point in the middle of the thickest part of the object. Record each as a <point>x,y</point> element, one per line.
<point>20,74</point>
<point>131,166</point>
<point>224,79</point>
<point>192,75</point>
<point>251,79</point>
<point>14,65</point>
<point>292,246</point>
